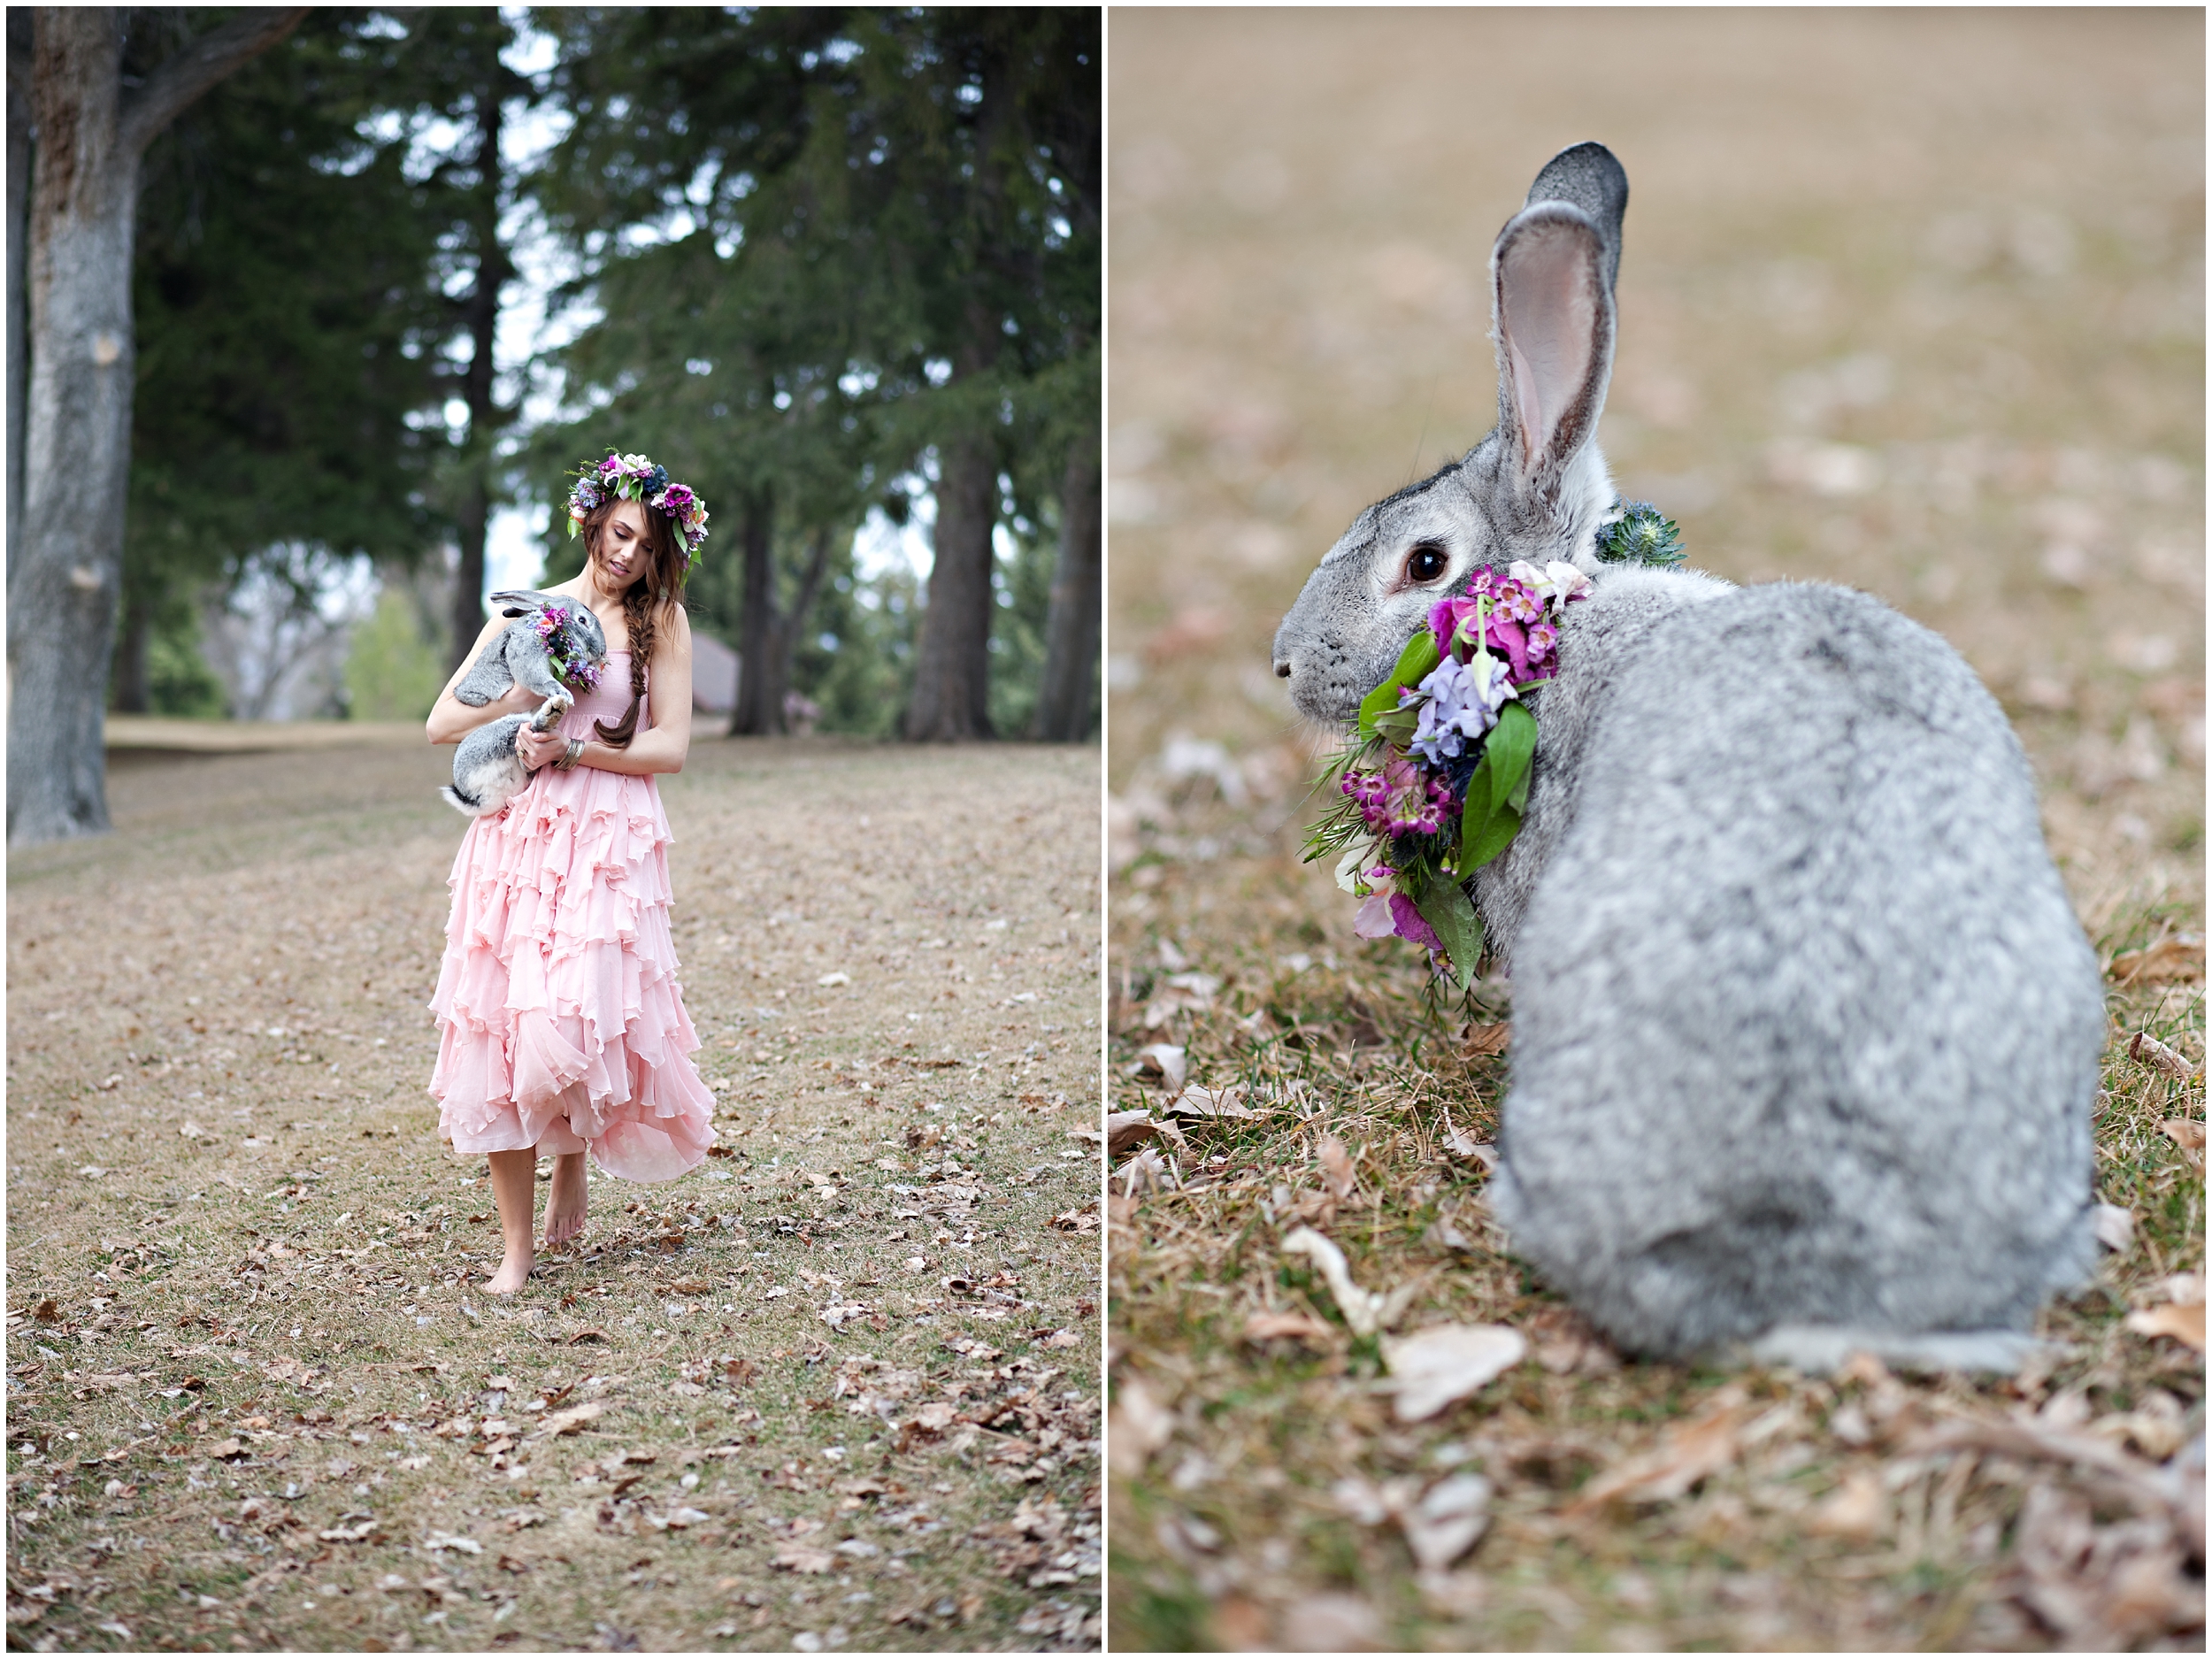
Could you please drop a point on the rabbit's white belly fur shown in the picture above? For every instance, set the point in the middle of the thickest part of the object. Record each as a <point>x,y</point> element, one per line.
<point>1806,1032</point>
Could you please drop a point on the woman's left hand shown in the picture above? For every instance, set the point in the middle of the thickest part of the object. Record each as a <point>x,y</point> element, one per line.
<point>540,748</point>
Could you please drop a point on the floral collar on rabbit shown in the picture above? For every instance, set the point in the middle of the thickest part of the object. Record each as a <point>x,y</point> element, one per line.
<point>1434,786</point>
<point>564,651</point>
<point>639,479</point>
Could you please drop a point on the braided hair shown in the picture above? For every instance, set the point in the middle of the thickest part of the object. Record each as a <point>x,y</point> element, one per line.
<point>652,598</point>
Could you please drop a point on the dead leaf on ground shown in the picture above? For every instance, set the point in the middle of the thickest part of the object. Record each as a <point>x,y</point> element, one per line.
<point>1211,1102</point>
<point>2114,1226</point>
<point>802,1559</point>
<point>1857,1508</point>
<point>1329,1624</point>
<point>2167,960</point>
<point>2183,1321</point>
<point>2147,1050</point>
<point>1363,1309</point>
<point>2101,1587</point>
<point>1128,1130</point>
<point>1138,1426</point>
<point>1297,1327</point>
<point>2186,1133</point>
<point>569,1421</point>
<point>1482,1041</point>
<point>1434,1367</point>
<point>1685,1455</point>
<point>1337,1176</point>
<point>1163,1060</point>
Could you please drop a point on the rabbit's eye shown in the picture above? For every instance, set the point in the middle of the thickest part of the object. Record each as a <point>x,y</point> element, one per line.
<point>1426,562</point>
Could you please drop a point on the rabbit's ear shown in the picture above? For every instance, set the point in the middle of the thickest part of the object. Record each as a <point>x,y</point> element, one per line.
<point>1552,283</point>
<point>521,602</point>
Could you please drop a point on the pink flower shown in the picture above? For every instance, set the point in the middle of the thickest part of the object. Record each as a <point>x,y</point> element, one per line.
<point>1375,920</point>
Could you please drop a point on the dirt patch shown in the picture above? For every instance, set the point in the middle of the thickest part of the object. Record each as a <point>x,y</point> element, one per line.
<point>1908,302</point>
<point>838,1388</point>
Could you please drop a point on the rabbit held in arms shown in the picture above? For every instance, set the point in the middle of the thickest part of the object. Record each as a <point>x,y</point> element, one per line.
<point>1806,1033</point>
<point>550,638</point>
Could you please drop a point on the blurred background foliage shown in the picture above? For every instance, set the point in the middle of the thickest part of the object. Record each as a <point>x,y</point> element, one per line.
<point>799,256</point>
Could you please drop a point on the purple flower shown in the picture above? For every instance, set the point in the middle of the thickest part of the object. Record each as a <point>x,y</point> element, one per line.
<point>1408,923</point>
<point>1463,702</point>
<point>1516,603</point>
<point>1542,637</point>
<point>676,500</point>
<point>1444,617</point>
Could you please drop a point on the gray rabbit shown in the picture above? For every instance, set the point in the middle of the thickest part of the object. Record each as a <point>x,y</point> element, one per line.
<point>1806,1033</point>
<point>488,770</point>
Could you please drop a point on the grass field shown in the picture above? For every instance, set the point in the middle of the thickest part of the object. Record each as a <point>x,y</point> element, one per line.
<point>838,1388</point>
<point>1908,301</point>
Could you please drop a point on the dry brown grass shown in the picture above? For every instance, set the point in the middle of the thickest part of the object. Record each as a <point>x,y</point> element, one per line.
<point>251,1365</point>
<point>1908,301</point>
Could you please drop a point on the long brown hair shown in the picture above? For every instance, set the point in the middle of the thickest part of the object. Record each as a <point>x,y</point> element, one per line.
<point>653,597</point>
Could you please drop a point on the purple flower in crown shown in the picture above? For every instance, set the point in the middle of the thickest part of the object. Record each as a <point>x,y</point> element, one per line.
<point>676,501</point>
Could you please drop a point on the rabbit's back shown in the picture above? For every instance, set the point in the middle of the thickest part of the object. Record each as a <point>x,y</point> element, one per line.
<point>1805,1029</point>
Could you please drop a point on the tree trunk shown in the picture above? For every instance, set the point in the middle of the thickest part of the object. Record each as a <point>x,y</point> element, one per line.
<point>61,595</point>
<point>18,239</point>
<point>1063,702</point>
<point>77,416</point>
<point>481,314</point>
<point>470,521</point>
<point>133,678</point>
<point>759,712</point>
<point>952,659</point>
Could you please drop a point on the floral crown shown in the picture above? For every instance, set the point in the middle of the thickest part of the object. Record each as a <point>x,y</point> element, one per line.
<point>638,478</point>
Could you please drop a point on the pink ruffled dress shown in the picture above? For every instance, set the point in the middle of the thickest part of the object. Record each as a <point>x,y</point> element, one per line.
<point>561,1026</point>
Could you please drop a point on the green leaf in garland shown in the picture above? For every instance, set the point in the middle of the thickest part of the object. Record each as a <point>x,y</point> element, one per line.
<point>1444,906</point>
<point>1507,752</point>
<point>1495,836</point>
<point>1414,663</point>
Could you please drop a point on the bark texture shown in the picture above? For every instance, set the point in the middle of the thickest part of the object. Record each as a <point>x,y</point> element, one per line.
<point>19,240</point>
<point>951,701</point>
<point>67,566</point>
<point>1063,701</point>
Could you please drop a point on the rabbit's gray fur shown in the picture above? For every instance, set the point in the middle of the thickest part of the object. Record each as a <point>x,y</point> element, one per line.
<point>1806,1033</point>
<point>487,769</point>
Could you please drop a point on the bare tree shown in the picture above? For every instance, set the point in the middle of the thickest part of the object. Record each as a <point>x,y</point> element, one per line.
<point>765,628</point>
<point>64,577</point>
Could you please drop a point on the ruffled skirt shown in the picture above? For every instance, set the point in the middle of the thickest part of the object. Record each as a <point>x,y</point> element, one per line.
<point>562,1026</point>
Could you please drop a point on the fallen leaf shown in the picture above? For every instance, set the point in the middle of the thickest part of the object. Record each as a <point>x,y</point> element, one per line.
<point>835,979</point>
<point>1449,1519</point>
<point>1434,1367</point>
<point>569,1421</point>
<point>1298,1328</point>
<point>1203,1103</point>
<point>801,1559</point>
<point>1125,1130</point>
<point>2149,1051</point>
<point>453,1541</point>
<point>1486,1039</point>
<point>2101,1587</point>
<point>1163,1060</point>
<point>2168,960</point>
<point>1460,1144</point>
<point>1140,1426</point>
<point>1857,1508</point>
<point>2114,1226</point>
<point>2182,1320</point>
<point>1337,1174</point>
<point>589,1334</point>
<point>1330,1623</point>
<point>1685,1455</point>
<point>2186,1133</point>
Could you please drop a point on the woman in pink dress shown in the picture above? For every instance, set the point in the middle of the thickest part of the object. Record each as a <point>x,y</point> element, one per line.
<point>562,1027</point>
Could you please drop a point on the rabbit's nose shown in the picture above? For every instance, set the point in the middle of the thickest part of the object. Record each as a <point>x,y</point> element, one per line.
<point>1282,670</point>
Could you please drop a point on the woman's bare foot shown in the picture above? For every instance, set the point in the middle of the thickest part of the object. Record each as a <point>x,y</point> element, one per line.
<point>565,1202</point>
<point>513,1270</point>
<point>515,1193</point>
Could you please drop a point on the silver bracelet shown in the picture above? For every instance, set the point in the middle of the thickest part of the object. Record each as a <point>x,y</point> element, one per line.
<point>567,762</point>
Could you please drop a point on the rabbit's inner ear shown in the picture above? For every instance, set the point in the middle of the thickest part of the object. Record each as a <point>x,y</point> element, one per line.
<point>1551,336</point>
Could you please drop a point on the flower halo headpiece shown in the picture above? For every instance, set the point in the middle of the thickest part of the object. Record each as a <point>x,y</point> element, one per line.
<point>1436,779</point>
<point>639,479</point>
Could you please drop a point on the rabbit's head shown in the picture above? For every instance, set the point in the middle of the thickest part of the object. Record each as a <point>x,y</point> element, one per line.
<point>583,626</point>
<point>1536,489</point>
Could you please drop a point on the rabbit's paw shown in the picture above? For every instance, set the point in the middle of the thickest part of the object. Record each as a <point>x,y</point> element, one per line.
<point>551,710</point>
<point>1818,1350</point>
